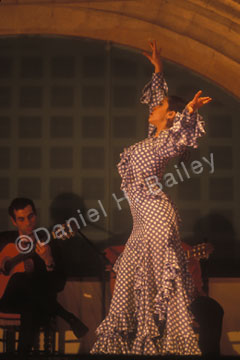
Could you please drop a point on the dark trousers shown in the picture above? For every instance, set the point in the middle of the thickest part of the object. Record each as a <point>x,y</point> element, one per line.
<point>34,297</point>
<point>209,315</point>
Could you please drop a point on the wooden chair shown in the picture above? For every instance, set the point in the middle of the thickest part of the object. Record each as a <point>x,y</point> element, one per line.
<point>9,334</point>
<point>9,326</point>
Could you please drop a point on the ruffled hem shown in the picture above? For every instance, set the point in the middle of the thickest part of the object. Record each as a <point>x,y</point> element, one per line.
<point>114,334</point>
<point>119,334</point>
<point>179,345</point>
<point>121,323</point>
<point>113,344</point>
<point>161,300</point>
<point>146,331</point>
<point>117,345</point>
<point>127,343</point>
<point>170,272</point>
<point>165,346</point>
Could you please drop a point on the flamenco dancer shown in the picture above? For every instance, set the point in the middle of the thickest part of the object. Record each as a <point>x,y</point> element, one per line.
<point>149,312</point>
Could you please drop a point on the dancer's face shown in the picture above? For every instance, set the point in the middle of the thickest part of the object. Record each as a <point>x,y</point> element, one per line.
<point>161,114</point>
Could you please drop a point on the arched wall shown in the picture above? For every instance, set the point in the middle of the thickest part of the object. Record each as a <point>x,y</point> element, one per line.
<point>201,35</point>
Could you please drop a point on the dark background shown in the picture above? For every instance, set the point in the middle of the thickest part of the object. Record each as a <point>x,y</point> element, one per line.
<point>67,109</point>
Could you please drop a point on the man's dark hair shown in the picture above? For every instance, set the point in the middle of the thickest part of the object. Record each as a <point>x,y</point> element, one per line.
<point>176,103</point>
<point>20,203</point>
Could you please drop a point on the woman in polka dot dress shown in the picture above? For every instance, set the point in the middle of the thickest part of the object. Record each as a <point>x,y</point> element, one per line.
<point>149,309</point>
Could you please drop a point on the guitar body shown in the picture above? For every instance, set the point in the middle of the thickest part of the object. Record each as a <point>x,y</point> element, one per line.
<point>8,252</point>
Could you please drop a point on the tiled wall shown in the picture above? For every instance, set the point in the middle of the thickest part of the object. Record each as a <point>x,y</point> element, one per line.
<point>67,109</point>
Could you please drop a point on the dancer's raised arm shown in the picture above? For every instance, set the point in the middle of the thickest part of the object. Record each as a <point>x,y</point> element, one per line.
<point>197,102</point>
<point>154,57</point>
<point>156,89</point>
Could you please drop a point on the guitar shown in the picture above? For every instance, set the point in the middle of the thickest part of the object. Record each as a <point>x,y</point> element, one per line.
<point>200,251</point>
<point>12,261</point>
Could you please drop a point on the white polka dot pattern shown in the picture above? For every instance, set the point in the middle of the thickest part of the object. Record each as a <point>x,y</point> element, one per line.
<point>149,309</point>
<point>153,93</point>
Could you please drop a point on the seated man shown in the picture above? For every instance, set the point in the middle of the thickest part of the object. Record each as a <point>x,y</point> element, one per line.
<point>32,285</point>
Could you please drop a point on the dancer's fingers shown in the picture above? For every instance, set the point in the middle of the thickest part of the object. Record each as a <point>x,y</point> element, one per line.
<point>197,95</point>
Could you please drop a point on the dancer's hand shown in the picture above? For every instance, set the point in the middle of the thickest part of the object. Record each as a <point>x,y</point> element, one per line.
<point>155,56</point>
<point>197,102</point>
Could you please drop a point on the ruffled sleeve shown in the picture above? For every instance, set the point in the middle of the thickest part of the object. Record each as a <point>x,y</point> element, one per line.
<point>124,167</point>
<point>131,167</point>
<point>153,93</point>
<point>187,129</point>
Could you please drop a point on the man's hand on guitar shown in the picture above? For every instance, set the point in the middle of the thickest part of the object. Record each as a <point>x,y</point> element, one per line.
<point>44,251</point>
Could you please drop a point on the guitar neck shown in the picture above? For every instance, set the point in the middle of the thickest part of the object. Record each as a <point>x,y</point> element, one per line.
<point>200,251</point>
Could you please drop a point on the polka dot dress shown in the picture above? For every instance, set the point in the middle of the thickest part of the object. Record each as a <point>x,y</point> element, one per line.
<point>149,309</point>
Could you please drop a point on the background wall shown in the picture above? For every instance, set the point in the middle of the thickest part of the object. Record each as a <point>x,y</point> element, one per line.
<point>69,106</point>
<point>202,35</point>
